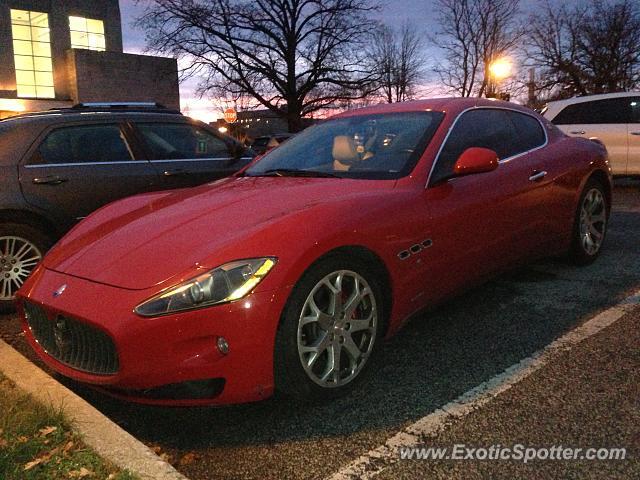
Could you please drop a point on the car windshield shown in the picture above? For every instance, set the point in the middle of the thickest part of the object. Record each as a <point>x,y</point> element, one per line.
<point>382,146</point>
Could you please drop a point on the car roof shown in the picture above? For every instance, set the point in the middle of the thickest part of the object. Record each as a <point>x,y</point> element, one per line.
<point>51,117</point>
<point>590,98</point>
<point>447,105</point>
<point>30,125</point>
<point>554,108</point>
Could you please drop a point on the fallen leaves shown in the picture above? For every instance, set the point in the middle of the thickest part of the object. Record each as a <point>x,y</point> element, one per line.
<point>43,432</point>
<point>68,447</point>
<point>34,463</point>
<point>42,459</point>
<point>163,455</point>
<point>188,459</point>
<point>82,473</point>
<point>35,443</point>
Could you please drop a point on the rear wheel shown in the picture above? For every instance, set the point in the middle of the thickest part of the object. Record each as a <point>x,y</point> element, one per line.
<point>21,249</point>
<point>329,329</point>
<point>590,225</point>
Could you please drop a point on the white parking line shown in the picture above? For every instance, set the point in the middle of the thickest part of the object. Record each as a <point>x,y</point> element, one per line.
<point>373,462</point>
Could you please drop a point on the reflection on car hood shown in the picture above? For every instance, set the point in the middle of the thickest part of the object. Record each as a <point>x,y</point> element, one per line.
<point>142,241</point>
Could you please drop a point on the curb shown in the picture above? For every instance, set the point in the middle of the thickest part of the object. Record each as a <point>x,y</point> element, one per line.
<point>105,437</point>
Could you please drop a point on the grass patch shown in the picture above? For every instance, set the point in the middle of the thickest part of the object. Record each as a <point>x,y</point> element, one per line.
<point>37,442</point>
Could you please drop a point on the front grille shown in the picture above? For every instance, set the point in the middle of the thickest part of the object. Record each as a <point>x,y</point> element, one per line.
<point>73,343</point>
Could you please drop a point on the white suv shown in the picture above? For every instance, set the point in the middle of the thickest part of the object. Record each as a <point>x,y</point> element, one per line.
<point>612,118</point>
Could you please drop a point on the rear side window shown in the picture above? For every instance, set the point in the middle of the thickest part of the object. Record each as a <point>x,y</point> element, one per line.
<point>530,132</point>
<point>610,111</point>
<point>171,141</point>
<point>84,144</point>
<point>486,128</point>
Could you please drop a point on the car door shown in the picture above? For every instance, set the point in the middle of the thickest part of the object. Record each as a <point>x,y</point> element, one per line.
<point>480,223</point>
<point>633,161</point>
<point>544,195</point>
<point>186,154</point>
<point>605,120</point>
<point>73,169</point>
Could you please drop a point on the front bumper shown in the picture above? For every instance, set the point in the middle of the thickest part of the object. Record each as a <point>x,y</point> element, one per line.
<point>168,353</point>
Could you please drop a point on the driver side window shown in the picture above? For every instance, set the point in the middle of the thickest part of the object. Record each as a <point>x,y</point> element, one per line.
<point>486,128</point>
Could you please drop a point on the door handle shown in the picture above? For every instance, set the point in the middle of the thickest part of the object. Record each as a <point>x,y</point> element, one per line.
<point>50,180</point>
<point>175,173</point>
<point>537,175</point>
<point>578,132</point>
<point>635,133</point>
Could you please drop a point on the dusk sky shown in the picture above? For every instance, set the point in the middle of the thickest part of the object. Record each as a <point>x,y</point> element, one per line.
<point>394,12</point>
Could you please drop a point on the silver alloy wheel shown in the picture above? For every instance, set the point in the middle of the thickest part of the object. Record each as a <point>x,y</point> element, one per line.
<point>593,221</point>
<point>18,258</point>
<point>337,328</point>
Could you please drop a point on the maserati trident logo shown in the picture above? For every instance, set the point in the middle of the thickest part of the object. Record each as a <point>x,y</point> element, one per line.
<point>62,336</point>
<point>59,291</point>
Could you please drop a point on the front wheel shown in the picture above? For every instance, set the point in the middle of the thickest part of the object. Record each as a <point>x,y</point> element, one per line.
<point>329,329</point>
<point>590,225</point>
<point>21,249</point>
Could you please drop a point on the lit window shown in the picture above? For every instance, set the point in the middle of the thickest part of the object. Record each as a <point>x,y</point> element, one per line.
<point>32,54</point>
<point>87,33</point>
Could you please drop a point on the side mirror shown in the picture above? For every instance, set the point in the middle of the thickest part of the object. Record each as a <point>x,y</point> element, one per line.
<point>475,160</point>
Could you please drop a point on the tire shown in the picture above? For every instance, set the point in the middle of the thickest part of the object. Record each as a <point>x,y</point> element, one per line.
<point>305,324</point>
<point>590,224</point>
<point>21,249</point>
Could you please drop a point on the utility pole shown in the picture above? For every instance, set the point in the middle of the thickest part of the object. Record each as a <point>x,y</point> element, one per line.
<point>531,85</point>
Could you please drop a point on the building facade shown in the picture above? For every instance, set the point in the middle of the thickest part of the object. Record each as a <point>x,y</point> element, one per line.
<point>57,53</point>
<point>260,123</point>
<point>252,124</point>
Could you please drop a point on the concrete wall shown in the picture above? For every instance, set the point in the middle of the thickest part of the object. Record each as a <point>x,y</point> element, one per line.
<point>121,77</point>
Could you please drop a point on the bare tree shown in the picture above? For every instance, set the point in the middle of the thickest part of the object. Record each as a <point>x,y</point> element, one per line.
<point>473,34</point>
<point>294,57</point>
<point>398,62</point>
<point>588,48</point>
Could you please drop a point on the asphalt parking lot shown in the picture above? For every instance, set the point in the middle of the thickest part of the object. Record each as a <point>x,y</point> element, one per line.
<point>437,357</point>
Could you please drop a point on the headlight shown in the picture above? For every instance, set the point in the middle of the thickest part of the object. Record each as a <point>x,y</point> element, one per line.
<point>227,283</point>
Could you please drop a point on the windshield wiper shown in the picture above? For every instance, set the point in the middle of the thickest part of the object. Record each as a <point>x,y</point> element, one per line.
<point>292,172</point>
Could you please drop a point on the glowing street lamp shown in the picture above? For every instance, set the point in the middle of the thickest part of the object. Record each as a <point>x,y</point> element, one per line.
<point>499,69</point>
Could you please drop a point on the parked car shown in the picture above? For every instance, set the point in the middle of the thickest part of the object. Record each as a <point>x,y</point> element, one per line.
<point>262,145</point>
<point>288,275</point>
<point>57,167</point>
<point>612,118</point>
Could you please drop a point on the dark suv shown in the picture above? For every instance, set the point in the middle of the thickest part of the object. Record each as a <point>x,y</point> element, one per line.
<point>56,167</point>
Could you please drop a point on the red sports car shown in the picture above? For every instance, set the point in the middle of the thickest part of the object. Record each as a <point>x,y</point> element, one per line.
<point>287,276</point>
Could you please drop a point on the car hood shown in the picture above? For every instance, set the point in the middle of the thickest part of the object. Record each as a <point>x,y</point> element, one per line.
<point>143,241</point>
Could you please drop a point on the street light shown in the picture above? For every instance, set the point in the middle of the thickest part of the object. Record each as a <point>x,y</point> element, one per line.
<point>223,129</point>
<point>499,69</point>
